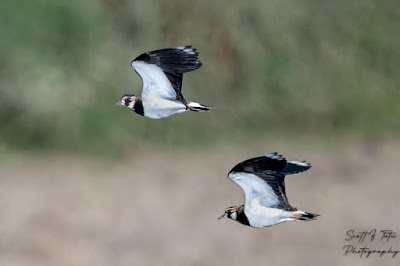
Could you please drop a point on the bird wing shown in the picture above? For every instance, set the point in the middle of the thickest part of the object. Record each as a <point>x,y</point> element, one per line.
<point>263,180</point>
<point>162,71</point>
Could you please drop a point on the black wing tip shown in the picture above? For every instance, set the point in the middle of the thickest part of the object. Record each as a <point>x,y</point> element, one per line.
<point>179,59</point>
<point>143,57</point>
<point>271,161</point>
<point>236,169</point>
<point>188,49</point>
<point>279,157</point>
<point>260,162</point>
<point>295,167</point>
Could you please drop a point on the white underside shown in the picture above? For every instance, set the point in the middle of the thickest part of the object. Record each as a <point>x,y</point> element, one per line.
<point>260,216</point>
<point>261,201</point>
<point>155,82</point>
<point>158,95</point>
<point>255,189</point>
<point>156,107</point>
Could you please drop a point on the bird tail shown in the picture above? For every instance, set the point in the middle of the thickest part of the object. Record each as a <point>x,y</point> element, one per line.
<point>197,107</point>
<point>305,216</point>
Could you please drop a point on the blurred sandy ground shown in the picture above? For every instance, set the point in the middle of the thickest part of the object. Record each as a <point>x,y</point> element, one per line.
<point>161,208</point>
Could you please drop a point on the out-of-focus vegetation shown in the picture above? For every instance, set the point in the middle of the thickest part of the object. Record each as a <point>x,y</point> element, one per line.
<point>303,67</point>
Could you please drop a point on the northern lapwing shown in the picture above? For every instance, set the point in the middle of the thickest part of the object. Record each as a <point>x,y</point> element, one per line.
<point>161,72</point>
<point>263,182</point>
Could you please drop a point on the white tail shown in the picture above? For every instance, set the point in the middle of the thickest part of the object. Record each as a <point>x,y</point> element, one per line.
<point>197,107</point>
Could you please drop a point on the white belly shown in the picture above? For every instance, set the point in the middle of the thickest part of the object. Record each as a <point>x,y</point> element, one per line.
<point>155,107</point>
<point>260,216</point>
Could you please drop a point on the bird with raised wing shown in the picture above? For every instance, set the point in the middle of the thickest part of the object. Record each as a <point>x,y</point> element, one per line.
<point>263,182</point>
<point>161,72</point>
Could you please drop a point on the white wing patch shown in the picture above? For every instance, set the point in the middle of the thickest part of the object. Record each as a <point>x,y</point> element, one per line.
<point>155,82</point>
<point>189,51</point>
<point>256,190</point>
<point>186,50</point>
<point>300,163</point>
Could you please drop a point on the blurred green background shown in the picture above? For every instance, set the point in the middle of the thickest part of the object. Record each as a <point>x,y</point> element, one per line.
<point>84,182</point>
<point>291,67</point>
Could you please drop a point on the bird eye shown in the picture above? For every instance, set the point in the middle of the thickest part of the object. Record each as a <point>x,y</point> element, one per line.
<point>127,101</point>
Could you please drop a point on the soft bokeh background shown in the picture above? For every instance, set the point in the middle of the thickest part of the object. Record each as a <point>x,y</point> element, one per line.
<point>83,182</point>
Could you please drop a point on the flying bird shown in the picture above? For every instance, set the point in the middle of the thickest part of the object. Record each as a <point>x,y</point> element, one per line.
<point>161,72</point>
<point>263,182</point>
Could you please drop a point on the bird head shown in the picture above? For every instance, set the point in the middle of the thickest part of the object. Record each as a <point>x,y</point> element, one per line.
<point>231,213</point>
<point>127,100</point>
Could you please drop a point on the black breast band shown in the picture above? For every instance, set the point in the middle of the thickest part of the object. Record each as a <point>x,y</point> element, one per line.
<point>138,107</point>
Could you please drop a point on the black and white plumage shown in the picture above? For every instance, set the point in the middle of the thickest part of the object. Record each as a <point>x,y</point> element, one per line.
<point>263,182</point>
<point>162,72</point>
